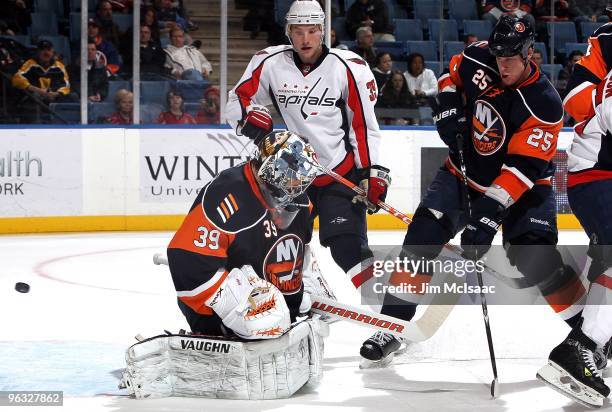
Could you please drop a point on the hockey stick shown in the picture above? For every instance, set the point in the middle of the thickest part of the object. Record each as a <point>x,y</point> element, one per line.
<point>483,300</point>
<point>515,283</point>
<point>417,331</point>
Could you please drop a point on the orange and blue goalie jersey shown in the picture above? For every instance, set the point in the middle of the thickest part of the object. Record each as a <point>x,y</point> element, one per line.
<point>231,225</point>
<point>514,130</point>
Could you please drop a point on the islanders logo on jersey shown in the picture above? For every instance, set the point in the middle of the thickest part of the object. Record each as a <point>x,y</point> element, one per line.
<point>488,129</point>
<point>283,264</point>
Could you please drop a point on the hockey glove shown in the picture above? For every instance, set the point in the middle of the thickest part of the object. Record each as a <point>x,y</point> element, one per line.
<point>449,117</point>
<point>257,123</point>
<point>477,236</point>
<point>375,182</point>
<point>250,306</point>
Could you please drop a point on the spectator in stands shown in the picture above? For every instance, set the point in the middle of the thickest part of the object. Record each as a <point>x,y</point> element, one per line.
<point>370,13</point>
<point>588,10</point>
<point>122,6</point>
<point>149,18</point>
<point>395,95</point>
<point>108,28</point>
<point>168,16</point>
<point>493,9</point>
<point>542,15</point>
<point>365,45</point>
<point>210,111</point>
<point>176,110</point>
<point>97,76</point>
<point>541,11</point>
<point>124,103</point>
<point>17,15</point>
<point>537,57</point>
<point>382,71</point>
<point>335,42</point>
<point>113,58</point>
<point>185,62</point>
<point>469,39</point>
<point>422,82</point>
<point>44,76</point>
<point>567,71</point>
<point>152,57</point>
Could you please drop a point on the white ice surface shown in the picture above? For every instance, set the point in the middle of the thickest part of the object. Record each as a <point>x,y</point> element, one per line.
<point>92,293</point>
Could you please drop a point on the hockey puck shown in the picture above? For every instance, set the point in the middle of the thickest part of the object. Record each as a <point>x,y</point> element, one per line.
<point>22,287</point>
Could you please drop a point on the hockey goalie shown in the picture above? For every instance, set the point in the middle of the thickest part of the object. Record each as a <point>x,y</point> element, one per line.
<point>243,273</point>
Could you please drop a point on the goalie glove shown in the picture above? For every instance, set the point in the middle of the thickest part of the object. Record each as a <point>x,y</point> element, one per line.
<point>257,123</point>
<point>250,306</point>
<point>375,182</point>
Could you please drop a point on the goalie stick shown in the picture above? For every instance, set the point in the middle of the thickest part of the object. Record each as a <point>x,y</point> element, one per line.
<point>414,331</point>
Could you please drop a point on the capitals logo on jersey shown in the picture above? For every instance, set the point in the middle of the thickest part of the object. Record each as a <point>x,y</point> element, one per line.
<point>488,129</point>
<point>283,264</point>
<point>310,100</point>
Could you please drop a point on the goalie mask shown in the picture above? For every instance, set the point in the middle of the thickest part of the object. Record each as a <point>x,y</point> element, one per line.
<point>305,12</point>
<point>287,165</point>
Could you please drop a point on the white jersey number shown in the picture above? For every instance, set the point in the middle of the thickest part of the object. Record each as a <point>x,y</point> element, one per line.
<point>481,79</point>
<point>208,238</point>
<point>540,139</point>
<point>270,228</point>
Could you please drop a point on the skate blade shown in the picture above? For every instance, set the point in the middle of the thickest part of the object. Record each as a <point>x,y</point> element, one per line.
<point>558,379</point>
<point>378,364</point>
<point>384,362</point>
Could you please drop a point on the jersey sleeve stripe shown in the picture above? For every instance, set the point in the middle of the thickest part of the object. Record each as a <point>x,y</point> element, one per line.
<point>358,123</point>
<point>594,61</point>
<point>511,183</point>
<point>231,198</point>
<point>604,280</point>
<point>453,68</point>
<point>223,218</point>
<point>229,206</point>
<point>446,84</point>
<point>568,295</point>
<point>518,174</point>
<point>221,273</point>
<point>197,298</point>
<point>576,90</point>
<point>249,87</point>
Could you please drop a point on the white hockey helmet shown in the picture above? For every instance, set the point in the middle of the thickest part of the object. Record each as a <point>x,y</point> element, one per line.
<point>287,165</point>
<point>305,12</point>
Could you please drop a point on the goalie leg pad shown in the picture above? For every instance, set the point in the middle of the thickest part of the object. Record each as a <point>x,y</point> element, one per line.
<point>209,367</point>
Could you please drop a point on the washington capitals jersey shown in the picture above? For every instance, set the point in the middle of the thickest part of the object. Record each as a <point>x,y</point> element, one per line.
<point>587,74</point>
<point>589,158</point>
<point>230,225</point>
<point>514,130</point>
<point>330,103</point>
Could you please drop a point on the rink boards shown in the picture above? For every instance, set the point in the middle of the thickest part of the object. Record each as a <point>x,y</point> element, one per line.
<point>90,179</point>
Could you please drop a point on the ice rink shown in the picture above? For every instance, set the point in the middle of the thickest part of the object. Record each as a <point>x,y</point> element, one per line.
<point>91,293</point>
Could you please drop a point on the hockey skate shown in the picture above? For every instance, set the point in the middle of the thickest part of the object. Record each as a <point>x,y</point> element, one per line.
<point>571,370</point>
<point>379,350</point>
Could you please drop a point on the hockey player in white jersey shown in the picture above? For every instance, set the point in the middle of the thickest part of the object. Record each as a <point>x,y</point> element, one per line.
<point>328,97</point>
<point>574,366</point>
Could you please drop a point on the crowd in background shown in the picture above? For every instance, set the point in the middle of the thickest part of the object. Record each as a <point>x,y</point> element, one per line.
<point>41,73</point>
